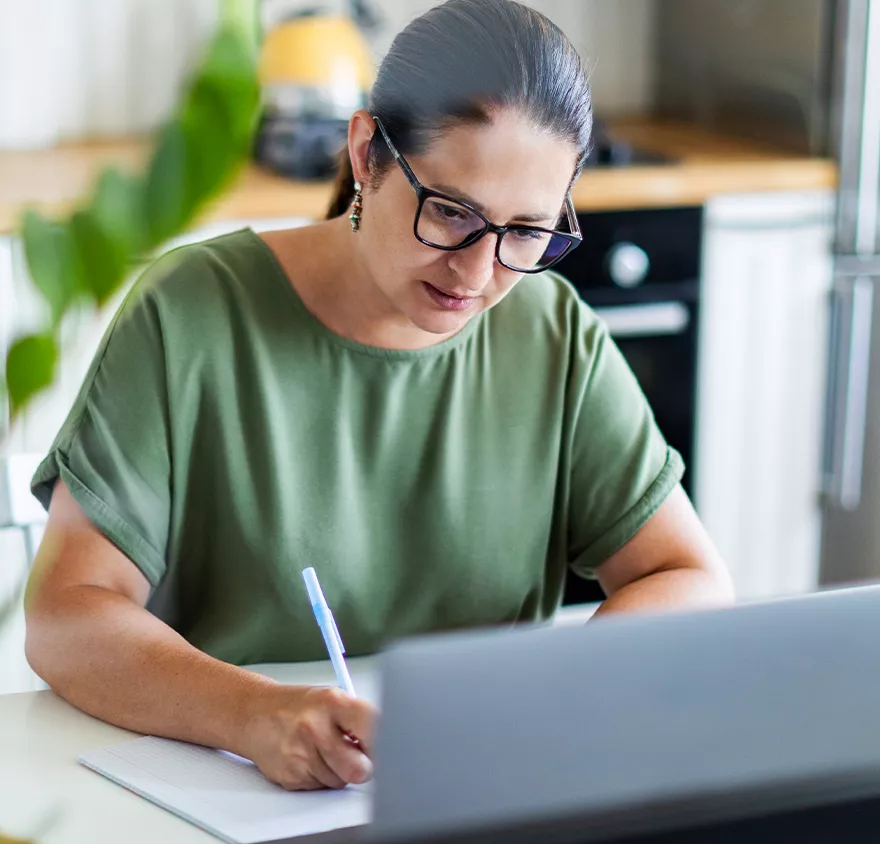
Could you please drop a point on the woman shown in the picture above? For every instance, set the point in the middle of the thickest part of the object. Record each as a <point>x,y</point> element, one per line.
<point>398,396</point>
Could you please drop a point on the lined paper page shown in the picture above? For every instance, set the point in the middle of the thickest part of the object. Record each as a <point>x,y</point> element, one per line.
<point>223,793</point>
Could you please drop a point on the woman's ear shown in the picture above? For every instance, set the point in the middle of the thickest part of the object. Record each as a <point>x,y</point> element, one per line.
<point>360,132</point>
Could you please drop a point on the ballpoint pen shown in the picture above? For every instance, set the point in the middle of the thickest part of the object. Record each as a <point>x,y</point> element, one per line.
<point>329,630</point>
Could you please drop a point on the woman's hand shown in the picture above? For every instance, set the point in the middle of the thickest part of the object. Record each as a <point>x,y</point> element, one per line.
<point>304,737</point>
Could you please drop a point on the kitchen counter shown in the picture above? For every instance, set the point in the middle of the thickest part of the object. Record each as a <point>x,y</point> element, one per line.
<point>705,165</point>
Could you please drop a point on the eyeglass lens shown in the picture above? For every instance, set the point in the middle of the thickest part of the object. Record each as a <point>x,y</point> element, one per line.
<point>447,224</point>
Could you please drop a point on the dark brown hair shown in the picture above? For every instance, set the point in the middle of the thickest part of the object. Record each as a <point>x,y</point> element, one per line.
<point>458,62</point>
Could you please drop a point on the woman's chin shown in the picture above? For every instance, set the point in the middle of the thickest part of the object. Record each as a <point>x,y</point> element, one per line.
<point>442,323</point>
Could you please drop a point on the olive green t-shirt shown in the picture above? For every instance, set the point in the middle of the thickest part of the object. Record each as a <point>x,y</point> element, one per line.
<point>224,440</point>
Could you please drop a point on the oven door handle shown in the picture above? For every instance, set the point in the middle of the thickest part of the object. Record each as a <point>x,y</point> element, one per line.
<point>652,319</point>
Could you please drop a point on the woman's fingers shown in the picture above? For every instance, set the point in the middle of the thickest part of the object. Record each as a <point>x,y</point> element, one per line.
<point>308,738</point>
<point>356,718</point>
<point>322,729</point>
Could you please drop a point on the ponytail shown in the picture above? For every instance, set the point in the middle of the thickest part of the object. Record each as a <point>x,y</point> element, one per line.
<point>343,187</point>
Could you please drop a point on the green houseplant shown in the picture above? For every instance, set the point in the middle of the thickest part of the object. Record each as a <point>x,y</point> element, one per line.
<point>82,259</point>
<point>85,257</point>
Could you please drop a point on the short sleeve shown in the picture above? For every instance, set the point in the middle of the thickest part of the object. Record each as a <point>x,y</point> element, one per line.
<point>621,467</point>
<point>113,450</point>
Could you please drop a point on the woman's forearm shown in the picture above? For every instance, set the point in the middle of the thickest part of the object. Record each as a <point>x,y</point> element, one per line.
<point>671,589</point>
<point>115,660</point>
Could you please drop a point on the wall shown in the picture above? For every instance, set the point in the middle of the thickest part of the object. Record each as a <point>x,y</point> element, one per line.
<point>78,68</point>
<point>614,36</point>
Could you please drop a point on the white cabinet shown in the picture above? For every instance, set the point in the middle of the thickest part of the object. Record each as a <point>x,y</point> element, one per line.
<point>764,332</point>
<point>15,673</point>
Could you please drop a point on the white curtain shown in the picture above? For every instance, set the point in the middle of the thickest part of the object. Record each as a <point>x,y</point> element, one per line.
<point>73,69</point>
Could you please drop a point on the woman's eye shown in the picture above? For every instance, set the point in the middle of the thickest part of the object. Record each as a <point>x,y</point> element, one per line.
<point>448,212</point>
<point>528,234</point>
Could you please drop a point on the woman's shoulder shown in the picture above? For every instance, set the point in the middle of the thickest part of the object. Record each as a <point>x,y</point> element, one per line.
<point>201,287</point>
<point>546,307</point>
<point>188,272</point>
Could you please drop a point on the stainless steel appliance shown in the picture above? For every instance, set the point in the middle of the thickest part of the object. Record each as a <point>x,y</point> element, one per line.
<point>851,530</point>
<point>640,271</point>
<point>806,74</point>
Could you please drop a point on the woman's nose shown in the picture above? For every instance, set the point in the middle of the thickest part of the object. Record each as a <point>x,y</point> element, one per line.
<point>475,264</point>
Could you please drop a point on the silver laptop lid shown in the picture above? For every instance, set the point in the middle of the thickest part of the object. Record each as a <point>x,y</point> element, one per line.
<point>631,722</point>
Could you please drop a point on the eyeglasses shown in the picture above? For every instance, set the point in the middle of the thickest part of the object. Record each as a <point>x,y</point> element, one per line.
<point>449,224</point>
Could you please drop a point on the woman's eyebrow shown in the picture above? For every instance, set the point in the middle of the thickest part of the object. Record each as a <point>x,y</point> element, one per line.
<point>455,193</point>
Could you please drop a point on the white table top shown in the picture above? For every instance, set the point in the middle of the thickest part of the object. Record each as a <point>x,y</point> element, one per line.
<point>41,737</point>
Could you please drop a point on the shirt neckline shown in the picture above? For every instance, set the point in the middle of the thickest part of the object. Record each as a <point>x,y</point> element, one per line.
<point>435,350</point>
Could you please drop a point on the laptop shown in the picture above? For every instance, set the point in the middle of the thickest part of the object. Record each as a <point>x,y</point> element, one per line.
<point>757,722</point>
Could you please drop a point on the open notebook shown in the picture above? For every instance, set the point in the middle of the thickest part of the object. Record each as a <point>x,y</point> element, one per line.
<point>225,794</point>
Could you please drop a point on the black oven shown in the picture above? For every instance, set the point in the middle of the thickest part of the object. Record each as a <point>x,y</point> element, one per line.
<point>640,272</point>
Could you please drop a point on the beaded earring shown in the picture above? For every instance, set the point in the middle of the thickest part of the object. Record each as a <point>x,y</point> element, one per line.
<point>356,208</point>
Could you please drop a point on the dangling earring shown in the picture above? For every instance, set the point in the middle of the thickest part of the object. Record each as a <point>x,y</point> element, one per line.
<point>356,208</point>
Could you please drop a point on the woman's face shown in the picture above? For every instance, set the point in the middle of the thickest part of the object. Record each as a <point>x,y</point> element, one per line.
<point>509,170</point>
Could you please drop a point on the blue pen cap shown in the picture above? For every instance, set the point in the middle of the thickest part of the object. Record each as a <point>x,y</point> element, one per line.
<point>316,596</point>
<point>323,615</point>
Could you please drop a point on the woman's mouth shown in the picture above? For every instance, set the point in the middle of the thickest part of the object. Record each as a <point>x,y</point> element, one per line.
<point>448,301</point>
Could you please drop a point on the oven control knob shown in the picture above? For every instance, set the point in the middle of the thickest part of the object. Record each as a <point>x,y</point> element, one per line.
<point>627,264</point>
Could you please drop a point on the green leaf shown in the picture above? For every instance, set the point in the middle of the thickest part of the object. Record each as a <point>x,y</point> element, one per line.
<point>200,151</point>
<point>229,72</point>
<point>118,207</point>
<point>51,260</point>
<point>167,207</point>
<point>230,59</point>
<point>102,258</point>
<point>244,15</point>
<point>30,367</point>
<point>228,75</point>
<point>195,157</point>
<point>211,150</point>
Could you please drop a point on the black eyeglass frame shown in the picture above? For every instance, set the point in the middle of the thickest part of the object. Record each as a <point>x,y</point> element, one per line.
<point>573,237</point>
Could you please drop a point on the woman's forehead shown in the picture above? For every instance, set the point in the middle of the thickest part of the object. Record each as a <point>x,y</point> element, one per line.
<point>506,166</point>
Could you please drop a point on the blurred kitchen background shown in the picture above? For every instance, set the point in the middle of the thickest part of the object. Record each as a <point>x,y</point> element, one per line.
<point>729,212</point>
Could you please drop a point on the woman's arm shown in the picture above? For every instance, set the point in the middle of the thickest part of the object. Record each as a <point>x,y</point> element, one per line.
<point>91,639</point>
<point>671,563</point>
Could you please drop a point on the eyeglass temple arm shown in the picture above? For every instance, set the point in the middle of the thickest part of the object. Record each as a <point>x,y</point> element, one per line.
<point>410,176</point>
<point>572,217</point>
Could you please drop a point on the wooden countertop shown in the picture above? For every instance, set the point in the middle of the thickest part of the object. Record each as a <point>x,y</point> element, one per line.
<point>705,164</point>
